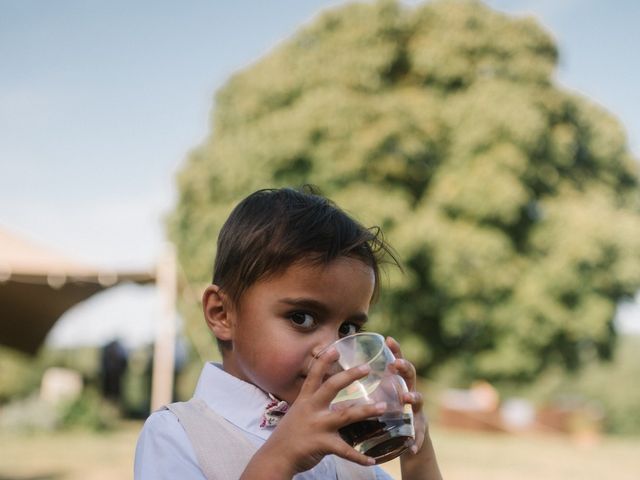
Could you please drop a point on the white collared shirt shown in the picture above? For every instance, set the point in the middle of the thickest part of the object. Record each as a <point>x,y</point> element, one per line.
<point>164,451</point>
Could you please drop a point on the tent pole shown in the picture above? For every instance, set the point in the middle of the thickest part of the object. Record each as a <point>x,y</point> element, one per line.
<point>165,340</point>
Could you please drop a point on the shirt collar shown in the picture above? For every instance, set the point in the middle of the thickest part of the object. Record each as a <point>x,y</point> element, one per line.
<point>240,402</point>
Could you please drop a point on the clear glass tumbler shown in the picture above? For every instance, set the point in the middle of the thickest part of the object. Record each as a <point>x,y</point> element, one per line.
<point>390,434</point>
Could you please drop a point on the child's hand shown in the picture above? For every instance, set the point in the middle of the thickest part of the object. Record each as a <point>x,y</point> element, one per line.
<point>420,462</point>
<point>407,371</point>
<point>309,430</point>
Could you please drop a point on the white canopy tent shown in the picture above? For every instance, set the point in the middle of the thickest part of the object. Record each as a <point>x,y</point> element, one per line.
<point>37,285</point>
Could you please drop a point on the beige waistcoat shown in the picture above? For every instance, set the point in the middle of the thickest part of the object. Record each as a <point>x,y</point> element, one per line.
<point>207,430</point>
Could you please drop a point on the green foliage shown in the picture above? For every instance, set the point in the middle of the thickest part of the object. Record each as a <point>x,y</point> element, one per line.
<point>513,203</point>
<point>604,386</point>
<point>609,385</point>
<point>89,411</point>
<point>20,374</point>
<point>23,409</point>
<point>83,359</point>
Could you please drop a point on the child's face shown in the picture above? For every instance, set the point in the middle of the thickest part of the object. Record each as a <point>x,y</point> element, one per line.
<point>282,322</point>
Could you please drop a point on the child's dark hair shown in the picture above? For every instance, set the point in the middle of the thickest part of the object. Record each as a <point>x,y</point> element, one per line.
<point>272,229</point>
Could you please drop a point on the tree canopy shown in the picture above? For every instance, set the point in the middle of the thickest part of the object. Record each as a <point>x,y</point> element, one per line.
<point>512,202</point>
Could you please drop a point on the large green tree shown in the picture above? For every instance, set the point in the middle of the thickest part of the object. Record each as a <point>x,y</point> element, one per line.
<point>513,203</point>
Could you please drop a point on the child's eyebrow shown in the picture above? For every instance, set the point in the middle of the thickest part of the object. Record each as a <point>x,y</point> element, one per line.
<point>321,308</point>
<point>309,303</point>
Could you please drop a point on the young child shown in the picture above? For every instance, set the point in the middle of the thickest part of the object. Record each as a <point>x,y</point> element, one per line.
<point>293,273</point>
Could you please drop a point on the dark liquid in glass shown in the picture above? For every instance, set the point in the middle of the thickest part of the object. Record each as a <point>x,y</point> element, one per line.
<point>381,438</point>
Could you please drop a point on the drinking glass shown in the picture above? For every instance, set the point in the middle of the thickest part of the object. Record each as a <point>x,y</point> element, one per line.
<point>388,435</point>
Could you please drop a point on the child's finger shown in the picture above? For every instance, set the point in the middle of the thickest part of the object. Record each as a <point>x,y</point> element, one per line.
<point>415,399</point>
<point>356,413</point>
<point>330,388</point>
<point>317,371</point>
<point>346,451</point>
<point>420,426</point>
<point>406,370</point>
<point>394,346</point>
<point>417,443</point>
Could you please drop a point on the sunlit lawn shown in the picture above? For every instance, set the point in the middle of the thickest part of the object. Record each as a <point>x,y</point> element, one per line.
<point>501,457</point>
<point>473,456</point>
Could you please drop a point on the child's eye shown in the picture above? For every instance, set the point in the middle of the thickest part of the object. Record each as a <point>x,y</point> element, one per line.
<point>348,328</point>
<point>303,320</point>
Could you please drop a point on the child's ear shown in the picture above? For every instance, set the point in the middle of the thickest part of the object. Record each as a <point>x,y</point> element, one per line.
<point>217,313</point>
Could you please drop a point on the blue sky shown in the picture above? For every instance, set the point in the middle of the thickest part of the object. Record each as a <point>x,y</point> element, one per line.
<point>101,101</point>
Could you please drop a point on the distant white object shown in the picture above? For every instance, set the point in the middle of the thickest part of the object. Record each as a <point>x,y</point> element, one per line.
<point>517,413</point>
<point>59,385</point>
<point>627,319</point>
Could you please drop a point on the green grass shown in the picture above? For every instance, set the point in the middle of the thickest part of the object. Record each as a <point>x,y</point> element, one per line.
<point>79,455</point>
